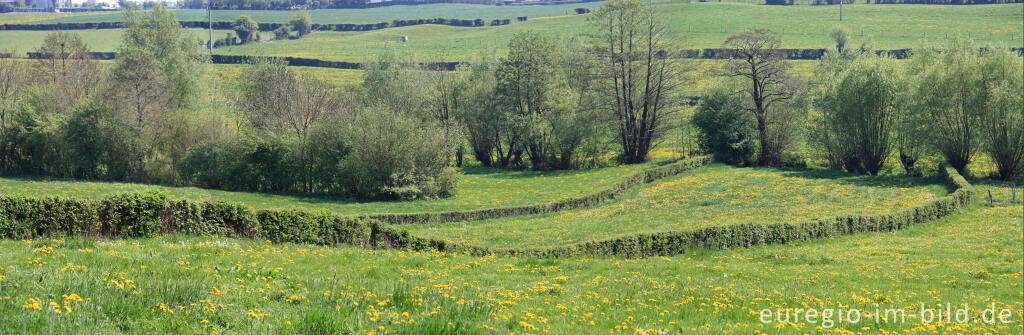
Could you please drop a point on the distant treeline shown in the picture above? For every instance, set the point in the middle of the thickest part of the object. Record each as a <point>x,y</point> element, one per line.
<point>296,4</point>
<point>229,25</point>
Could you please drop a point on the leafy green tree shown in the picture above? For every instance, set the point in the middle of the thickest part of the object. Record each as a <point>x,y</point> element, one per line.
<point>1002,124</point>
<point>725,128</point>
<point>246,28</point>
<point>156,34</point>
<point>840,35</point>
<point>952,95</point>
<point>861,109</point>
<point>301,23</point>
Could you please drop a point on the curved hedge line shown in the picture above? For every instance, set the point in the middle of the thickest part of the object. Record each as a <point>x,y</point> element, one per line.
<point>147,214</point>
<point>642,177</point>
<point>720,237</point>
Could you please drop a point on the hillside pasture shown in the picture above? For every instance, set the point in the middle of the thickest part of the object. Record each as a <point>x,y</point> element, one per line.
<point>700,25</point>
<point>178,284</point>
<point>710,196</point>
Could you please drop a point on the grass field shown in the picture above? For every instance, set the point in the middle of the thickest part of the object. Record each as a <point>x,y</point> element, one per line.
<point>479,188</point>
<point>102,40</point>
<point>702,25</point>
<point>178,284</point>
<point>710,196</point>
<point>361,16</point>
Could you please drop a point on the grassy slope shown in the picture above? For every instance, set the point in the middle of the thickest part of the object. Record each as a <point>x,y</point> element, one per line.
<point>701,24</point>
<point>361,16</point>
<point>716,195</point>
<point>177,285</point>
<point>479,188</point>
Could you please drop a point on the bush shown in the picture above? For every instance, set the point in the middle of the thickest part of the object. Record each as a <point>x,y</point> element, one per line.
<point>282,33</point>
<point>393,156</point>
<point>301,23</point>
<point>726,130</point>
<point>6,7</point>
<point>246,29</point>
<point>133,214</point>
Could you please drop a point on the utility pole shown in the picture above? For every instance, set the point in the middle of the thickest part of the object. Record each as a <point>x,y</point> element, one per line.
<point>840,10</point>
<point>209,14</point>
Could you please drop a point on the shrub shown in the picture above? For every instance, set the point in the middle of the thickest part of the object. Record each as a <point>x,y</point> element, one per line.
<point>246,29</point>
<point>394,156</point>
<point>282,33</point>
<point>726,130</point>
<point>301,23</point>
<point>133,214</point>
<point>6,7</point>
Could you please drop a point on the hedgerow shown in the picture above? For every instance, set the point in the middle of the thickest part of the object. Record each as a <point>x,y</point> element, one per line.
<point>643,177</point>
<point>148,214</point>
<point>717,237</point>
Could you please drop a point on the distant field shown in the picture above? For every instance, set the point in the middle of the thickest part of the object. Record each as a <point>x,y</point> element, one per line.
<point>106,40</point>
<point>361,16</point>
<point>710,196</point>
<point>702,25</point>
<point>887,26</point>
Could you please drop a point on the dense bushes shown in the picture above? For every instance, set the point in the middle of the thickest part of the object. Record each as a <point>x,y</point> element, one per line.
<point>726,130</point>
<point>133,215</point>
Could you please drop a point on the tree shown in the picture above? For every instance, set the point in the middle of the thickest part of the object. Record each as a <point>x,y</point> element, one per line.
<point>840,35</point>
<point>157,34</point>
<point>246,29</point>
<point>282,33</point>
<point>1003,126</point>
<point>140,90</point>
<point>277,100</point>
<point>635,55</point>
<point>726,129</point>
<point>911,122</point>
<point>526,83</point>
<point>861,112</point>
<point>759,60</point>
<point>952,94</point>
<point>67,72</point>
<point>13,79</point>
<point>301,23</point>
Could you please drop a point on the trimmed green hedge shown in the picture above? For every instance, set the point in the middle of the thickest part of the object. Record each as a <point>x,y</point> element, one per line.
<point>148,214</point>
<point>643,177</point>
<point>719,237</point>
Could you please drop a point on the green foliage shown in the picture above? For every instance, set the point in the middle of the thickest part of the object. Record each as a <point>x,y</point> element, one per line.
<point>156,34</point>
<point>726,128</point>
<point>246,28</point>
<point>860,110</point>
<point>282,33</point>
<point>301,23</point>
<point>101,147</point>
<point>1003,127</point>
<point>133,214</point>
<point>841,35</point>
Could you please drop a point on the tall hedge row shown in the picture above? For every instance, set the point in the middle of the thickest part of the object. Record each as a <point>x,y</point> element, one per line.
<point>148,214</point>
<point>717,237</point>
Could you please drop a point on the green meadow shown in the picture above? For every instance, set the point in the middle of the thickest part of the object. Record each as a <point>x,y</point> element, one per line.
<point>709,196</point>
<point>179,284</point>
<point>700,25</point>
